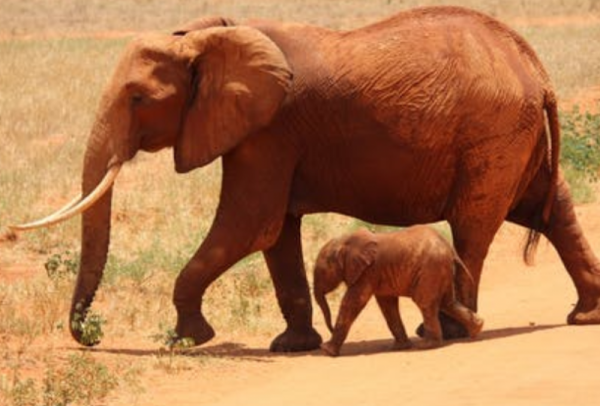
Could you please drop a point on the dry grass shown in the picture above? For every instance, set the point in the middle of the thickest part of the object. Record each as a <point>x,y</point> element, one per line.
<point>49,88</point>
<point>69,16</point>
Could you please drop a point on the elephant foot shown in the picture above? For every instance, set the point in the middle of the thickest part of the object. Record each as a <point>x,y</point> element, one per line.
<point>296,341</point>
<point>400,345</point>
<point>475,326</point>
<point>586,312</point>
<point>195,327</point>
<point>330,349</point>
<point>451,329</point>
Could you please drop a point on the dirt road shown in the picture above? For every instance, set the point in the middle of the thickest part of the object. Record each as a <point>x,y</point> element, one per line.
<point>526,355</point>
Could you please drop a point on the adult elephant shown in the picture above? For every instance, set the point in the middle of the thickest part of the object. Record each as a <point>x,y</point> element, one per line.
<point>432,114</point>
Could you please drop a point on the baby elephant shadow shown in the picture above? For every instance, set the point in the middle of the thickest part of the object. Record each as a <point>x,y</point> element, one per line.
<point>371,347</point>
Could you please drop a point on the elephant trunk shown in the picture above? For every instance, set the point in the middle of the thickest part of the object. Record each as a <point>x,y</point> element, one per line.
<point>95,229</point>
<point>322,302</point>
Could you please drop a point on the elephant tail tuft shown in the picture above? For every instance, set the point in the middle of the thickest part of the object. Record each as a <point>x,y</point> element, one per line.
<point>533,238</point>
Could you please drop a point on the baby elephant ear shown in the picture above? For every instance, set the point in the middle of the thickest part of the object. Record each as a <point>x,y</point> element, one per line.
<point>359,257</point>
<point>239,80</point>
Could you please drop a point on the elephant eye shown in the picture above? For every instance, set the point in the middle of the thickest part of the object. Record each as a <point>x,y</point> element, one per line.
<point>137,98</point>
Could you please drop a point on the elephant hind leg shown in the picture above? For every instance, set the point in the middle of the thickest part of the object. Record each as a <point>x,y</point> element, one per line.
<point>389,306</point>
<point>565,234</point>
<point>472,238</point>
<point>475,212</point>
<point>432,334</point>
<point>469,319</point>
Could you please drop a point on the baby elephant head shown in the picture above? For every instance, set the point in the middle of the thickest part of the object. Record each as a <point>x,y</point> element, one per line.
<point>342,259</point>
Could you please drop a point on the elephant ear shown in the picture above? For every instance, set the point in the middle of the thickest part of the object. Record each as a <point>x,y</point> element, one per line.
<point>359,254</point>
<point>240,78</point>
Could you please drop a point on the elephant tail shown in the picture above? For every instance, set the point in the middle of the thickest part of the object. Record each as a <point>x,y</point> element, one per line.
<point>533,237</point>
<point>552,114</point>
<point>459,264</point>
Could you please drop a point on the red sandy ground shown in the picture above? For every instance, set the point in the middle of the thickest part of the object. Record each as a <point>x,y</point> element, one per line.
<point>526,354</point>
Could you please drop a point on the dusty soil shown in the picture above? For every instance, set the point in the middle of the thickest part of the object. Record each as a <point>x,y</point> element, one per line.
<point>525,355</point>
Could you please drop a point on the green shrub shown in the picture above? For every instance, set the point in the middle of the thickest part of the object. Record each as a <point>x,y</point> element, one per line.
<point>90,327</point>
<point>580,151</point>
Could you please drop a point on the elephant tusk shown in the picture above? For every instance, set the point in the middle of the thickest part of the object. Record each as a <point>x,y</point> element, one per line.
<point>66,207</point>
<point>75,206</point>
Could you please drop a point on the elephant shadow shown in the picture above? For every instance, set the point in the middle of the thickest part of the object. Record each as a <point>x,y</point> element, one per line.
<point>367,347</point>
<point>225,350</point>
<point>241,352</point>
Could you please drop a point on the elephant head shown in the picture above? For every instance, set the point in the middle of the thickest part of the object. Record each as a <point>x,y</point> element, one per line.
<point>201,93</point>
<point>343,259</point>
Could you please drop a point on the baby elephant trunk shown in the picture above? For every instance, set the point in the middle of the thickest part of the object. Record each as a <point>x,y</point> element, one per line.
<point>322,302</point>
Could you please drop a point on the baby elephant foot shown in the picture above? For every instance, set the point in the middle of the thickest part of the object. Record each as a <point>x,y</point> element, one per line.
<point>330,349</point>
<point>451,329</point>
<point>429,343</point>
<point>476,326</point>
<point>400,345</point>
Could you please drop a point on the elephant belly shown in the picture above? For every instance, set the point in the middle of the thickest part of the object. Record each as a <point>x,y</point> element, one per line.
<point>383,184</point>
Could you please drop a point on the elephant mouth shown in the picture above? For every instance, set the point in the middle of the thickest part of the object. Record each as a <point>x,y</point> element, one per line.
<point>75,206</point>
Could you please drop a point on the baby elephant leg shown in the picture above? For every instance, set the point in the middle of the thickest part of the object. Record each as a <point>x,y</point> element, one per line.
<point>389,306</point>
<point>355,299</point>
<point>465,316</point>
<point>431,323</point>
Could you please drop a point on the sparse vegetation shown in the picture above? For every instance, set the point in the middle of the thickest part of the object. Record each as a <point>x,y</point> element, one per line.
<point>580,151</point>
<point>52,76</point>
<point>172,347</point>
<point>61,266</point>
<point>81,380</point>
<point>90,327</point>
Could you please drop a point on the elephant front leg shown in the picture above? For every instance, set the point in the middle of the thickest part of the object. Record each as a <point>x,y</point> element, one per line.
<point>218,252</point>
<point>354,301</point>
<point>286,266</point>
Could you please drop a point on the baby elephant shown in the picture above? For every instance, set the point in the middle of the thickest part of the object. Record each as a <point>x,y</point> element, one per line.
<point>416,262</point>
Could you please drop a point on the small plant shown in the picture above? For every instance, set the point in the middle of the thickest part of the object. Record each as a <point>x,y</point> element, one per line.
<point>171,341</point>
<point>172,346</point>
<point>61,266</point>
<point>84,380</point>
<point>89,325</point>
